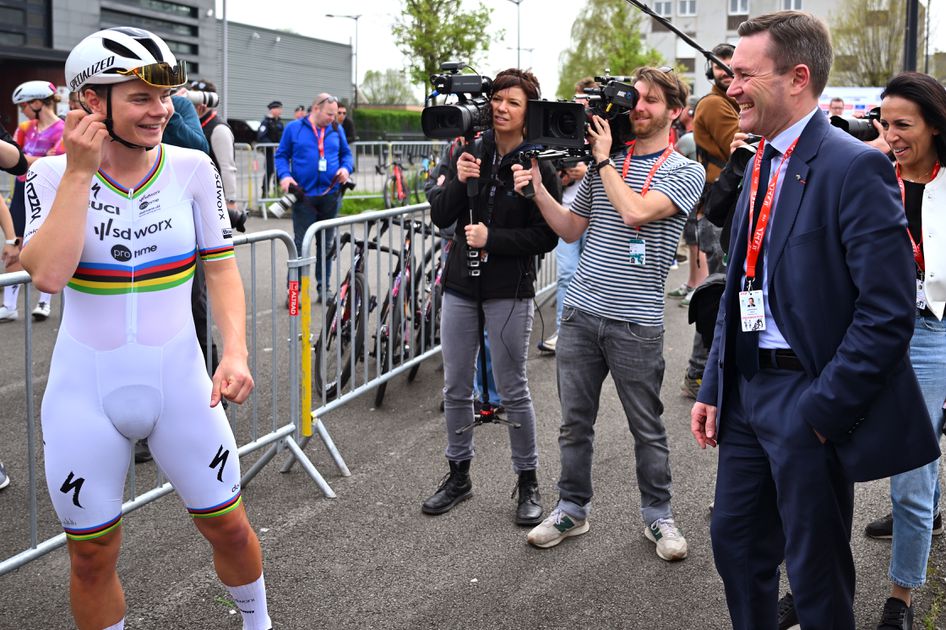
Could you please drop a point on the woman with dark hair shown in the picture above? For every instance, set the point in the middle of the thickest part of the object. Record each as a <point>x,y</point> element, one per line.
<point>507,233</point>
<point>913,119</point>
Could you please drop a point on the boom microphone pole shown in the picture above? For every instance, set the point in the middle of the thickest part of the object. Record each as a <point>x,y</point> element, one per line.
<point>709,55</point>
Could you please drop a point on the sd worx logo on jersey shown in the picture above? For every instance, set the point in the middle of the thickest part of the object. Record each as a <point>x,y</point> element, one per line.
<point>31,197</point>
<point>107,229</point>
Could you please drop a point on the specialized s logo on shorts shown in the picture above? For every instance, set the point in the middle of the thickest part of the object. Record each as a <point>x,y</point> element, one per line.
<point>220,458</point>
<point>71,484</point>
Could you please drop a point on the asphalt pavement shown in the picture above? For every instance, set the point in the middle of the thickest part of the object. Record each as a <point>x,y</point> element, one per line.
<point>371,559</point>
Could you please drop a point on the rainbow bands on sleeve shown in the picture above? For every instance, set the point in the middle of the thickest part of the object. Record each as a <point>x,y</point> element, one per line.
<point>217,253</point>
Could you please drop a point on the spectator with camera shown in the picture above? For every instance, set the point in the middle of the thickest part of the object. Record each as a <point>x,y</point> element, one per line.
<point>507,233</point>
<point>270,131</point>
<point>313,162</point>
<point>633,206</point>
<point>913,121</point>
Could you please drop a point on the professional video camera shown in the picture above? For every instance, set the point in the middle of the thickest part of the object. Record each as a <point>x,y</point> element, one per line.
<point>197,97</point>
<point>469,116</point>
<point>860,128</point>
<point>563,124</point>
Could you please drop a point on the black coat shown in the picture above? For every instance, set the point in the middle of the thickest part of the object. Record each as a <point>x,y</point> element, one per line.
<point>517,231</point>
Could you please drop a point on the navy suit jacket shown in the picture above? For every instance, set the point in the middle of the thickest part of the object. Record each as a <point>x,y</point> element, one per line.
<point>841,282</point>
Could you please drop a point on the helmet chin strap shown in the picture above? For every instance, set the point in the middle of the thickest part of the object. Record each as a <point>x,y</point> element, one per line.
<point>110,124</point>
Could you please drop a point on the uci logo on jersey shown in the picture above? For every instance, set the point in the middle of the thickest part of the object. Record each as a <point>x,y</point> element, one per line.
<point>106,229</point>
<point>104,207</point>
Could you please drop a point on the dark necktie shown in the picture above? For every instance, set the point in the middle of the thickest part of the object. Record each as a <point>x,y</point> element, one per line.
<point>747,343</point>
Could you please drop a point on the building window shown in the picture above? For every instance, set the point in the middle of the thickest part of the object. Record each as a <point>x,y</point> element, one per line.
<point>738,7</point>
<point>686,7</point>
<point>791,5</point>
<point>686,64</point>
<point>181,48</point>
<point>664,8</point>
<point>116,18</point>
<point>25,23</point>
<point>171,9</point>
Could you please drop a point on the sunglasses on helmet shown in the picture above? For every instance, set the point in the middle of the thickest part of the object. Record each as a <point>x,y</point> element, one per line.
<point>161,75</point>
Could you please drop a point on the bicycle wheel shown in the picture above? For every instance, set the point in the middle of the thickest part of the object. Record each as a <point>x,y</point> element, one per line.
<point>389,191</point>
<point>343,337</point>
<point>420,180</point>
<point>427,318</point>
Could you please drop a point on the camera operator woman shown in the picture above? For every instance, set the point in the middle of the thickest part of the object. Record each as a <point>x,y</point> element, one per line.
<point>508,231</point>
<point>39,136</point>
<point>913,121</point>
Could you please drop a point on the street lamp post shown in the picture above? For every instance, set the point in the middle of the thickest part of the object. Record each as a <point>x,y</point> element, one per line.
<point>518,31</point>
<point>354,52</point>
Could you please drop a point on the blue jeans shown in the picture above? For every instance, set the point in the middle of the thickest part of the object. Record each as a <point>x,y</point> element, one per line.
<point>567,256</point>
<point>915,494</point>
<point>589,347</point>
<point>304,214</point>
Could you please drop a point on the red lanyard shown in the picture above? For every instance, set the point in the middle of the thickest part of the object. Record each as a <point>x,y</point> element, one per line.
<point>320,138</point>
<point>203,123</point>
<point>653,169</point>
<point>917,252</point>
<point>756,238</point>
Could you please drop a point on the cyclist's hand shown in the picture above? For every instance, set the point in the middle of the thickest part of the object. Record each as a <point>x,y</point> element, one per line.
<point>232,381</point>
<point>342,175</point>
<point>476,235</point>
<point>467,167</point>
<point>83,135</point>
<point>285,182</point>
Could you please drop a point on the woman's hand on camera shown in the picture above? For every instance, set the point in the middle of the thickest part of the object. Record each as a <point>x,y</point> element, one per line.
<point>599,135</point>
<point>476,236</point>
<point>83,136</point>
<point>879,142</point>
<point>521,176</point>
<point>467,167</point>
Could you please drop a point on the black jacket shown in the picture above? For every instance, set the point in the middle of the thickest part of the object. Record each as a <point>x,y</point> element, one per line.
<point>270,130</point>
<point>517,231</point>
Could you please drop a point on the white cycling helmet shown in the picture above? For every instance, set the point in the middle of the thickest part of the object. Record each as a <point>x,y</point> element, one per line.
<point>120,54</point>
<point>124,53</point>
<point>33,91</point>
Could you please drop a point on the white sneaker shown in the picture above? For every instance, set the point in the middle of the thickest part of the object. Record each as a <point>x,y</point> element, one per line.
<point>548,345</point>
<point>671,545</point>
<point>41,311</point>
<point>685,302</point>
<point>555,528</point>
<point>7,315</point>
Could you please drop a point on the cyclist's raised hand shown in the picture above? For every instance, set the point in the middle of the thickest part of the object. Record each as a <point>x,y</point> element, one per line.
<point>83,136</point>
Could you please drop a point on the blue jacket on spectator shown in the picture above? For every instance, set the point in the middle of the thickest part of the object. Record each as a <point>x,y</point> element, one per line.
<point>298,156</point>
<point>183,128</point>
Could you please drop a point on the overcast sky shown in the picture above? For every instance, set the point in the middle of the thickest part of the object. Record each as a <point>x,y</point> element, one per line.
<point>545,29</point>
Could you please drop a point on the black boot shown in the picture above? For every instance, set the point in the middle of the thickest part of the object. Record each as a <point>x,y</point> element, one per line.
<point>455,487</point>
<point>529,511</point>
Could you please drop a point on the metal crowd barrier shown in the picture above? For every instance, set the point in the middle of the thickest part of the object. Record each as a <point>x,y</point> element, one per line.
<point>268,331</point>
<point>353,348</point>
<point>251,168</point>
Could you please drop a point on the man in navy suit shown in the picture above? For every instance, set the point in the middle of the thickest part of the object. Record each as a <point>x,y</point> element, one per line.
<point>824,394</point>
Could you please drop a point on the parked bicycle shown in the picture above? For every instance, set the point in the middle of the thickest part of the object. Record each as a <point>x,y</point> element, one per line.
<point>398,318</point>
<point>427,323</point>
<point>395,190</point>
<point>427,164</point>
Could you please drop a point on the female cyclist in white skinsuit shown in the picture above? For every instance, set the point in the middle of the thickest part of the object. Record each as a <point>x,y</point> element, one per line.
<point>117,225</point>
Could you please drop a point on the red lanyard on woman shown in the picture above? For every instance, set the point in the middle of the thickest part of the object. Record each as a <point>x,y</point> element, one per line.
<point>756,238</point>
<point>917,252</point>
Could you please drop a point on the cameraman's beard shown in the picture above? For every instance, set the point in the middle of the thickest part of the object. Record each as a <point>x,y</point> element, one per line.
<point>651,126</point>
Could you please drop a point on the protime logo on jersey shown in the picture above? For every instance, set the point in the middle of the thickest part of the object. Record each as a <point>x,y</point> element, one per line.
<point>107,229</point>
<point>122,254</point>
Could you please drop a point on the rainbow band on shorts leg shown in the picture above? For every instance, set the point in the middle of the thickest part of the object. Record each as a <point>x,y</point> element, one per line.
<point>218,510</point>
<point>96,531</point>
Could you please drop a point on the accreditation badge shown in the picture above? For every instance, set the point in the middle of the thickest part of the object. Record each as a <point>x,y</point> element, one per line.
<point>637,251</point>
<point>323,165</point>
<point>920,295</point>
<point>751,311</point>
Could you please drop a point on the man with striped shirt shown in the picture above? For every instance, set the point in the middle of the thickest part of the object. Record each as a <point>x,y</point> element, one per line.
<point>632,209</point>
